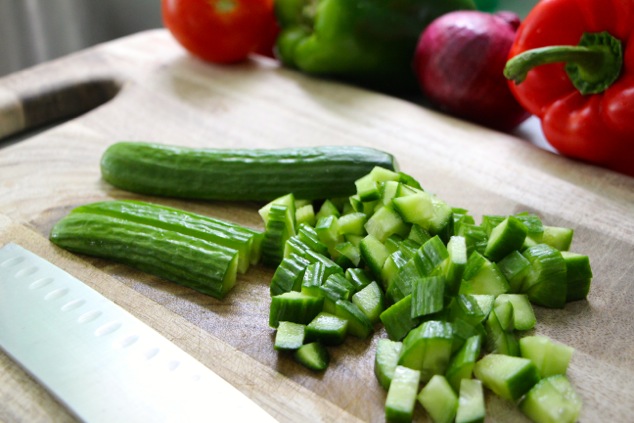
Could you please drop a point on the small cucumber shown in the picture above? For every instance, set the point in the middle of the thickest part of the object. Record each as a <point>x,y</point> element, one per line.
<point>239,174</point>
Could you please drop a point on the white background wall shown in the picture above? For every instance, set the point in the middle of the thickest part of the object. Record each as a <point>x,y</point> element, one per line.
<point>33,31</point>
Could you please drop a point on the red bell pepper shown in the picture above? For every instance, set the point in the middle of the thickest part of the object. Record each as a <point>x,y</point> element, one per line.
<point>572,65</point>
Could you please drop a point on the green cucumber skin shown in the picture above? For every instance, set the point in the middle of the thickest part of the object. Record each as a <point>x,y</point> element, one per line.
<point>239,174</point>
<point>201,265</point>
<point>214,230</point>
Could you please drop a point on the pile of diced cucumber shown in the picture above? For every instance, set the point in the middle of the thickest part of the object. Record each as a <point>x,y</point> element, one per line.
<point>455,297</point>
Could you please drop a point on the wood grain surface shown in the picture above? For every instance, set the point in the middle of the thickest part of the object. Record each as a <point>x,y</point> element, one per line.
<point>146,88</point>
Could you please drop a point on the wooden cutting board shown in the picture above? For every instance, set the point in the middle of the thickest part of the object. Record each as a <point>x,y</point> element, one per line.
<point>146,88</point>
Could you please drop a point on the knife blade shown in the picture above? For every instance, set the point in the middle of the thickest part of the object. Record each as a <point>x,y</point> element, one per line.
<point>99,360</point>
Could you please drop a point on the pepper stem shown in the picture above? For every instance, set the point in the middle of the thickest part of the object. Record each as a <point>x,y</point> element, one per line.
<point>592,66</point>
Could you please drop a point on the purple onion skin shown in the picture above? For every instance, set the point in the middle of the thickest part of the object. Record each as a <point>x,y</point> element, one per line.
<point>459,64</point>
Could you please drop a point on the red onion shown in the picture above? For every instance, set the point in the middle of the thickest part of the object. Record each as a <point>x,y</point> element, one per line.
<point>459,62</point>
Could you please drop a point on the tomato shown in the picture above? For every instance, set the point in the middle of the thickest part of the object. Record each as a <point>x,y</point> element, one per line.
<point>220,31</point>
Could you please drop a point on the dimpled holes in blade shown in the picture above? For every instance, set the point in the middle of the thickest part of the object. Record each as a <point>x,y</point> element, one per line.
<point>129,363</point>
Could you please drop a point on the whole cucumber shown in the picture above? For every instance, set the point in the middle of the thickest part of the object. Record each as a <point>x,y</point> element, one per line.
<point>239,174</point>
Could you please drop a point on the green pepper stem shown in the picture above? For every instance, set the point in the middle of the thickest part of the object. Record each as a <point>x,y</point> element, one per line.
<point>592,66</point>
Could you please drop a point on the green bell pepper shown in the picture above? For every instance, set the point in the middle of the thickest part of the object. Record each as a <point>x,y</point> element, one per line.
<point>370,42</point>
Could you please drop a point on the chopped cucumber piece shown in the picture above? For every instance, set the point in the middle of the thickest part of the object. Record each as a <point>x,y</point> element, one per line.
<point>578,275</point>
<point>428,296</point>
<point>401,396</point>
<point>514,267</point>
<point>523,314</point>
<point>287,200</point>
<point>289,336</point>
<point>485,302</point>
<point>482,276</point>
<point>384,223</point>
<point>467,308</point>
<point>462,363</point>
<point>328,208</point>
<point>475,236</point>
<point>327,329</point>
<point>398,320</point>
<point>431,255</point>
<point>336,287</point>
<point>439,400</point>
<point>508,377</point>
<point>295,246</point>
<point>327,229</point>
<point>352,224</point>
<point>374,254</point>
<point>370,301</point>
<point>498,339</point>
<point>358,277</point>
<point>427,211</point>
<point>408,181</point>
<point>313,356</point>
<point>471,408</point>
<point>489,222</point>
<point>314,277</point>
<point>386,360</point>
<point>505,315</point>
<point>305,215</point>
<point>359,325</point>
<point>428,348</point>
<point>368,186</point>
<point>534,225</point>
<point>550,357</point>
<point>348,254</point>
<point>455,265</point>
<point>463,330</point>
<point>280,226</point>
<point>308,235</point>
<point>330,266</point>
<point>294,307</point>
<point>545,283</point>
<point>402,283</point>
<point>289,275</point>
<point>558,237</point>
<point>552,400</point>
<point>418,235</point>
<point>506,237</point>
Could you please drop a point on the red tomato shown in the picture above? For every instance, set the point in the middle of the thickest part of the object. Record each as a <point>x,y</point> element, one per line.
<point>219,31</point>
